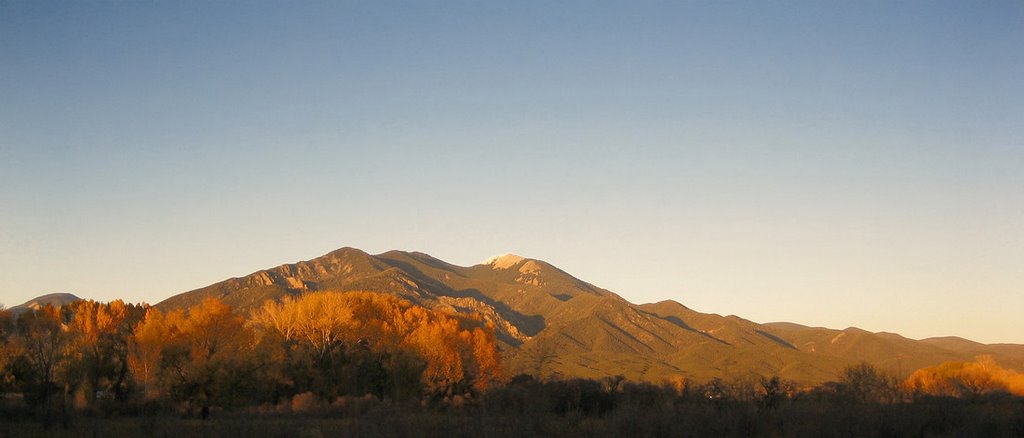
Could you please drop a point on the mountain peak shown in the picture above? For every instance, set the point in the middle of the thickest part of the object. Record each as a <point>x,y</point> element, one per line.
<point>541,312</point>
<point>56,300</point>
<point>504,261</point>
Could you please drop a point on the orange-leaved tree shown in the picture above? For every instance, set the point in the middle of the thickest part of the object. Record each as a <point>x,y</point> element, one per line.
<point>204,355</point>
<point>146,346</point>
<point>373,342</point>
<point>43,340</point>
<point>959,379</point>
<point>98,350</point>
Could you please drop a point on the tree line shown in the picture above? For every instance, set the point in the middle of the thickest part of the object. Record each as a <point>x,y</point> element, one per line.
<point>325,344</point>
<point>379,365</point>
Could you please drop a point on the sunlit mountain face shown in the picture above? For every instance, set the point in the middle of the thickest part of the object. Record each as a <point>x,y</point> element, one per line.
<point>551,324</point>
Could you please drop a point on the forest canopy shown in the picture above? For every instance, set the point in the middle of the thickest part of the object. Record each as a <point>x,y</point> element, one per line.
<point>365,358</point>
<point>328,344</point>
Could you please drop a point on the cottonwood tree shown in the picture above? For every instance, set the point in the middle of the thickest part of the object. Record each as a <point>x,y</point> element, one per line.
<point>866,384</point>
<point>99,347</point>
<point>202,357</point>
<point>43,341</point>
<point>320,321</point>
<point>965,379</point>
<point>488,370</point>
<point>145,351</point>
<point>366,342</point>
<point>8,350</point>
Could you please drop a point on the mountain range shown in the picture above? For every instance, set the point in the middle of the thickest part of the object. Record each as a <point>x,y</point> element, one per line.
<point>550,323</point>
<point>553,324</point>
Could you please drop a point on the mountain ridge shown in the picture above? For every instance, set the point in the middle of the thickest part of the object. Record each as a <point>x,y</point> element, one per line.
<point>551,323</point>
<point>57,299</point>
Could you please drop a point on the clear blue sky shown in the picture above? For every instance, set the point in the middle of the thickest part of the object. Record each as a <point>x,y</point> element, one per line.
<point>829,163</point>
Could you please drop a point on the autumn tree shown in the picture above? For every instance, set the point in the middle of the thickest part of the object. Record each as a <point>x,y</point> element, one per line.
<point>965,379</point>
<point>320,321</point>
<point>439,343</point>
<point>145,350</point>
<point>7,349</point>
<point>374,343</point>
<point>98,349</point>
<point>864,383</point>
<point>202,356</point>
<point>488,370</point>
<point>43,341</point>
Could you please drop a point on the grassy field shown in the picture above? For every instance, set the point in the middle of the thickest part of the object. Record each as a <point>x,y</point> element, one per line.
<point>650,414</point>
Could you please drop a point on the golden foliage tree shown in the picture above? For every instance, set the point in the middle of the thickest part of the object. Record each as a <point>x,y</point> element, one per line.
<point>201,356</point>
<point>457,352</point>
<point>959,379</point>
<point>100,335</point>
<point>210,328</point>
<point>319,320</point>
<point>488,360</point>
<point>145,350</point>
<point>43,341</point>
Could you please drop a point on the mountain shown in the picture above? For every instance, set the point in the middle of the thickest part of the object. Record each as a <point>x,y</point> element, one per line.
<point>553,324</point>
<point>56,300</point>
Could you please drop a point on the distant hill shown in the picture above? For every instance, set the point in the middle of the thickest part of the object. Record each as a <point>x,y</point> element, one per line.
<point>56,300</point>
<point>553,324</point>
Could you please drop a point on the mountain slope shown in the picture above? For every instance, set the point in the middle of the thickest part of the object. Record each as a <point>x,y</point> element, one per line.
<point>55,300</point>
<point>553,324</point>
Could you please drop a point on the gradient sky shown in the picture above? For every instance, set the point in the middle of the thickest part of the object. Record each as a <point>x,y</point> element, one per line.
<point>829,163</point>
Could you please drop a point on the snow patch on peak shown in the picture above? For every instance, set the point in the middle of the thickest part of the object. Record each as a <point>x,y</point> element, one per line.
<point>504,261</point>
